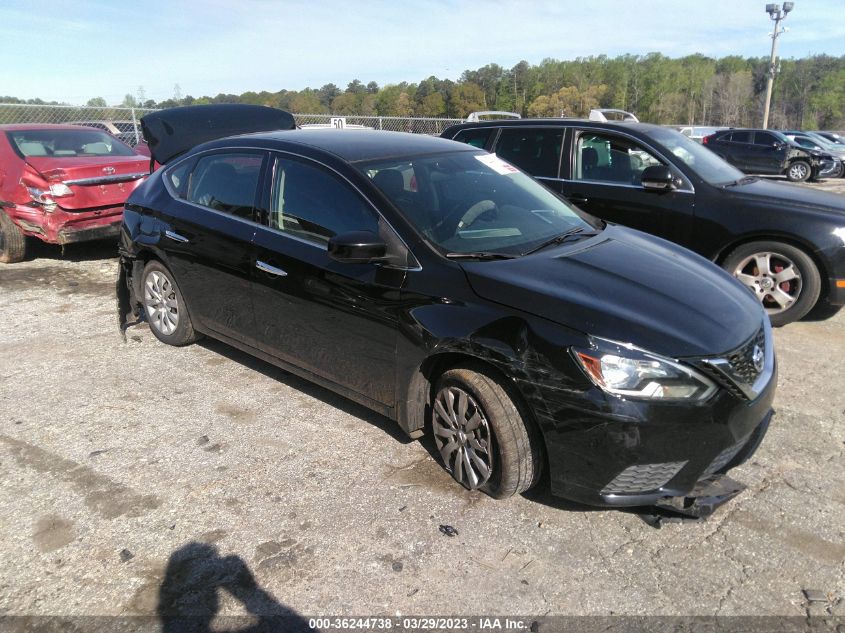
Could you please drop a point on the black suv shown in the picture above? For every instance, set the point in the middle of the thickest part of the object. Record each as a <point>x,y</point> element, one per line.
<point>786,243</point>
<point>770,153</point>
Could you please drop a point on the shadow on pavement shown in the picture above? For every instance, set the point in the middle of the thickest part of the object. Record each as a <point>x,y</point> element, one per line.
<point>80,252</point>
<point>189,596</point>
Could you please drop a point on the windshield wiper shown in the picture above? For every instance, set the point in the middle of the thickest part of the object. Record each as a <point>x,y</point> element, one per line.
<point>742,181</point>
<point>480,255</point>
<point>560,239</point>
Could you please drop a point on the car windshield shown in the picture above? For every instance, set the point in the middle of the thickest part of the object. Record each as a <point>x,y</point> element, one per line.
<point>474,202</point>
<point>701,160</point>
<point>67,143</point>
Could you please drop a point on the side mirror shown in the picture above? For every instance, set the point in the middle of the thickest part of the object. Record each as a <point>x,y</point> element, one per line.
<point>357,247</point>
<point>657,178</point>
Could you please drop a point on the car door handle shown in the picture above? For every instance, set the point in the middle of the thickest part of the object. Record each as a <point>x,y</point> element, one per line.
<point>578,199</point>
<point>267,268</point>
<point>173,235</point>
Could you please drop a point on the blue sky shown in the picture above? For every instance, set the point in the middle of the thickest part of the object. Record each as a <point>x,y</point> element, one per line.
<point>74,50</point>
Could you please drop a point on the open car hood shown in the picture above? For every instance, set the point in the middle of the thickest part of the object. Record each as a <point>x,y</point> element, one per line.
<point>174,131</point>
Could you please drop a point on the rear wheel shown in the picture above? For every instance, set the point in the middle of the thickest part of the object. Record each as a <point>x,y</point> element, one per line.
<point>12,241</point>
<point>798,171</point>
<point>165,306</point>
<point>484,440</point>
<point>783,278</point>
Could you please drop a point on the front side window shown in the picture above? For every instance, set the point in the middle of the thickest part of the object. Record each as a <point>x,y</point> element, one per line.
<point>477,138</point>
<point>226,182</point>
<point>472,201</point>
<point>765,138</point>
<point>740,137</point>
<point>611,159</point>
<point>67,143</point>
<point>311,203</point>
<point>537,151</point>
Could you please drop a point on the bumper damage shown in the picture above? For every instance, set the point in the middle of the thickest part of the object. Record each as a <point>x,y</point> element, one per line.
<point>702,501</point>
<point>67,227</point>
<point>130,311</point>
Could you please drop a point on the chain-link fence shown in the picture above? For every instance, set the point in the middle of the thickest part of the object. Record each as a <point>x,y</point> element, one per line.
<point>417,125</point>
<point>125,122</point>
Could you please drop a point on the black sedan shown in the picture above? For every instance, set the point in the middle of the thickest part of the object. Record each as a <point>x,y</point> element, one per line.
<point>440,286</point>
<point>784,242</point>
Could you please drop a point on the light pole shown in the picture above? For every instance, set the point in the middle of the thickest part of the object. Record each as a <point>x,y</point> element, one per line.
<point>777,15</point>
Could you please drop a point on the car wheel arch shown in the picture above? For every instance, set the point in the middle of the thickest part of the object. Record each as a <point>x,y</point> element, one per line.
<point>414,410</point>
<point>747,238</point>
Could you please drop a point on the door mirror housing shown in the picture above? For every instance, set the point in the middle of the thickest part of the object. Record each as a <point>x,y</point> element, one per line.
<point>357,247</point>
<point>658,178</point>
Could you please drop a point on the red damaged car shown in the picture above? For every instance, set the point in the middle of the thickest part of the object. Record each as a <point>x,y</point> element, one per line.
<point>62,184</point>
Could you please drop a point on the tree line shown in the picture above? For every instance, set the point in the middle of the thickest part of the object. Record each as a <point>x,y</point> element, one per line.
<point>809,92</point>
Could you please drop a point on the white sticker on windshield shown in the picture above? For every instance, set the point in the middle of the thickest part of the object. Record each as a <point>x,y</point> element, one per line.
<point>496,164</point>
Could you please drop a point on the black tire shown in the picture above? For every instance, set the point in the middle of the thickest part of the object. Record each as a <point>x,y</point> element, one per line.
<point>515,448</point>
<point>798,171</point>
<point>804,289</point>
<point>12,241</point>
<point>165,307</point>
<point>839,172</point>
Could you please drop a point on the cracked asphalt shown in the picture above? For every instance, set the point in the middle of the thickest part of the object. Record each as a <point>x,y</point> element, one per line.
<point>126,467</point>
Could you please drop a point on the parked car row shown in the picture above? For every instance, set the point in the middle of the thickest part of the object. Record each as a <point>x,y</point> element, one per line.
<point>440,284</point>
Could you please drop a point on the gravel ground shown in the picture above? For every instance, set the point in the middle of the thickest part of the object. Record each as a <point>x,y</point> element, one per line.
<point>133,473</point>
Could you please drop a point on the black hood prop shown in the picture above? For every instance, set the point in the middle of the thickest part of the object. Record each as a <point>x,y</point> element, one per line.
<point>174,131</point>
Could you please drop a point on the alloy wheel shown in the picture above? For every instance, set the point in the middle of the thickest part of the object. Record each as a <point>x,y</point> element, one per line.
<point>798,171</point>
<point>773,278</point>
<point>160,303</point>
<point>462,435</point>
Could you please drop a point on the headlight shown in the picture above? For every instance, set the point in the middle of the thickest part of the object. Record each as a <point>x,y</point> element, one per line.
<point>626,371</point>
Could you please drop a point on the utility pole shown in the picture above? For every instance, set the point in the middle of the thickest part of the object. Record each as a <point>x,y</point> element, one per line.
<point>777,15</point>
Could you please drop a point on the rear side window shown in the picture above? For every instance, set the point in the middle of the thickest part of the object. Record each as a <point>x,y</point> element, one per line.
<point>739,137</point>
<point>477,138</point>
<point>226,182</point>
<point>537,151</point>
<point>311,203</point>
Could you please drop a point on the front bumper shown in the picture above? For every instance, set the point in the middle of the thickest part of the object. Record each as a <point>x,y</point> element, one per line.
<point>65,227</point>
<point>628,453</point>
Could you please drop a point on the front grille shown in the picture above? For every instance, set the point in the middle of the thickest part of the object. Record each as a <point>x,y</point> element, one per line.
<point>737,371</point>
<point>642,478</point>
<point>742,360</point>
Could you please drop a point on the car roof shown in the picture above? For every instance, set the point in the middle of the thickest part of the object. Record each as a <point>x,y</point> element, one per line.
<point>354,145</point>
<point>621,126</point>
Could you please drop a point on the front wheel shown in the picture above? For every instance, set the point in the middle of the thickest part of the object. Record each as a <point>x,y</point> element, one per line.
<point>484,440</point>
<point>798,171</point>
<point>165,306</point>
<point>782,277</point>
